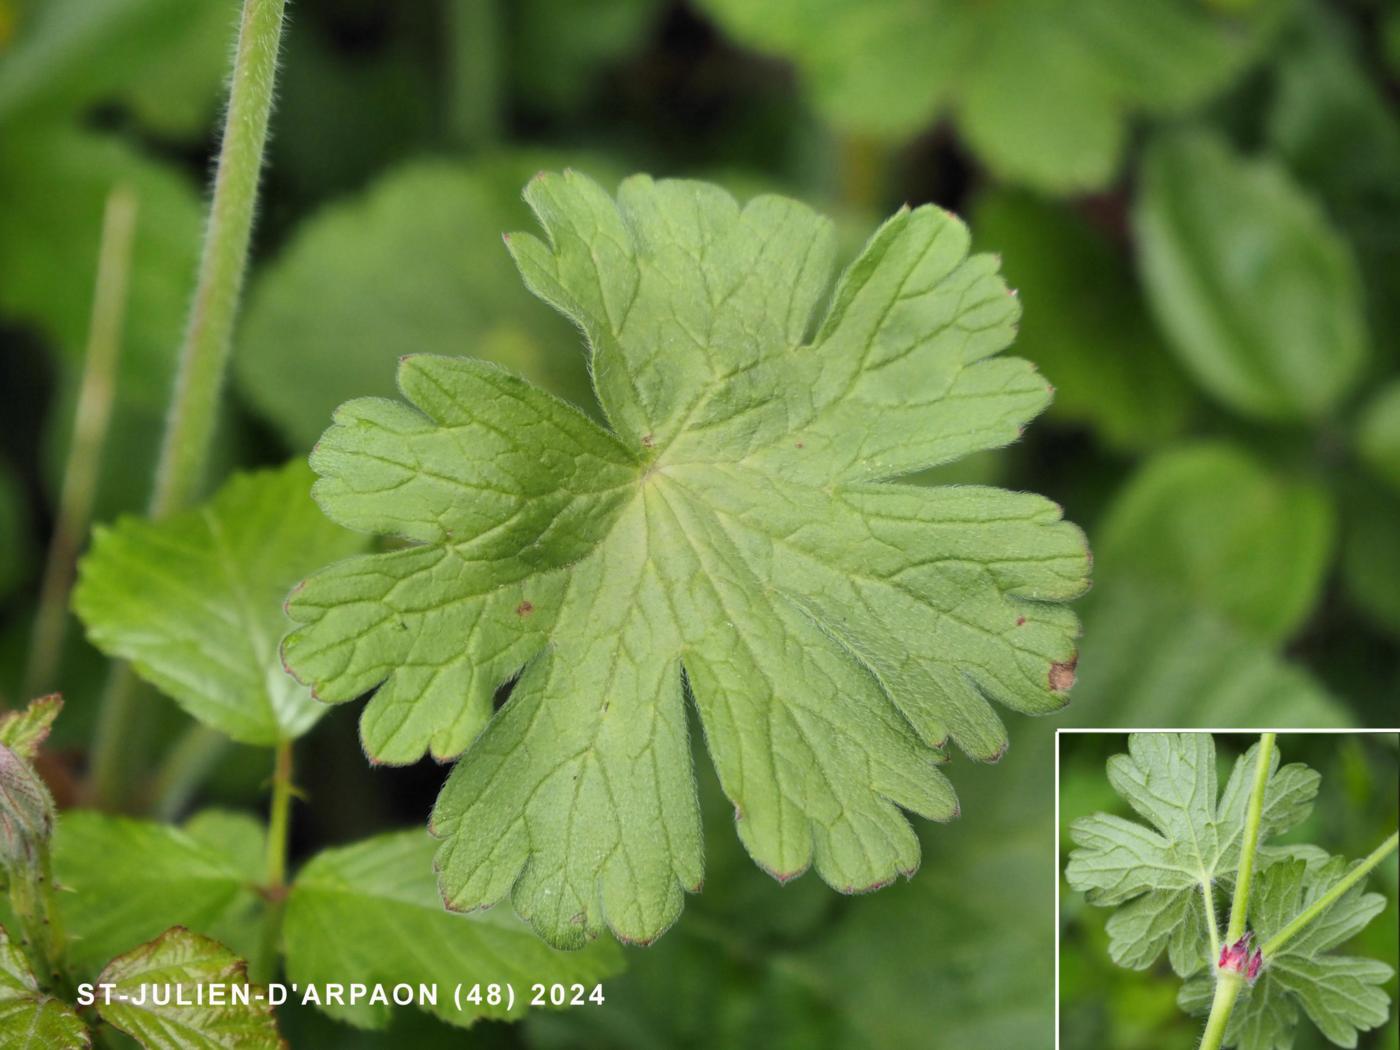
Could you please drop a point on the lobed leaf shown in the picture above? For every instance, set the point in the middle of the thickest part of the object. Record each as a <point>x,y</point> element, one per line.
<point>1193,840</point>
<point>194,601</point>
<point>1340,994</point>
<point>738,537</point>
<point>372,910</point>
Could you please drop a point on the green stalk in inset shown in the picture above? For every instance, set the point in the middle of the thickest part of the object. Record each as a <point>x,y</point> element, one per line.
<point>1228,982</point>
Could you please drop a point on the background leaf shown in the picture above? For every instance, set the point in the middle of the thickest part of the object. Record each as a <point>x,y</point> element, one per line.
<point>194,601</point>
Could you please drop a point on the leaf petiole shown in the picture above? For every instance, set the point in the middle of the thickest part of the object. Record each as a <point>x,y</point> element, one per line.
<point>1314,910</point>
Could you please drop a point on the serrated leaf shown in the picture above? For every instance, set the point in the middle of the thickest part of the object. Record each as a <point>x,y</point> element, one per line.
<point>55,184</point>
<point>24,732</point>
<point>1340,994</point>
<point>416,262</point>
<point>131,879</point>
<point>372,911</point>
<point>194,601</point>
<point>737,530</point>
<point>1086,324</point>
<point>1042,91</point>
<point>1213,524</point>
<point>1258,295</point>
<point>29,1018</point>
<point>182,965</point>
<point>1194,840</point>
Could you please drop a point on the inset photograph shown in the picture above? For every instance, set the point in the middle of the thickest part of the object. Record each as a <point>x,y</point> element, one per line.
<point>1228,889</point>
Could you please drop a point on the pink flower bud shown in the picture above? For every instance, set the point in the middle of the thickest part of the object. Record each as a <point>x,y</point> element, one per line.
<point>1236,958</point>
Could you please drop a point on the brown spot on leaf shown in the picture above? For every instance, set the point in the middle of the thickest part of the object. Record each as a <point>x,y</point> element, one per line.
<point>525,608</point>
<point>801,444</point>
<point>1062,674</point>
<point>1020,621</point>
<point>648,440</point>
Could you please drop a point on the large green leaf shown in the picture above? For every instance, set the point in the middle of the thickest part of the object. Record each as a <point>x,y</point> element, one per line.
<point>371,912</point>
<point>1259,296</point>
<point>1340,994</point>
<point>1085,324</point>
<point>739,527</point>
<point>1042,89</point>
<point>55,184</point>
<point>29,1018</point>
<point>165,58</point>
<point>1160,874</point>
<point>415,263</point>
<point>180,967</point>
<point>194,602</point>
<point>131,879</point>
<point>1214,525</point>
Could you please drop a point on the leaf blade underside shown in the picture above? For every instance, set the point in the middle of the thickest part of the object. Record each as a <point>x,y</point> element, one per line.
<point>736,537</point>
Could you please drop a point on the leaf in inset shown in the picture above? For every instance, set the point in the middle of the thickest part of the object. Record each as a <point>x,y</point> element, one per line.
<point>131,879</point>
<point>29,1018</point>
<point>738,536</point>
<point>194,601</point>
<point>371,912</point>
<point>1194,839</point>
<point>1340,994</point>
<point>185,967</point>
<point>1256,292</point>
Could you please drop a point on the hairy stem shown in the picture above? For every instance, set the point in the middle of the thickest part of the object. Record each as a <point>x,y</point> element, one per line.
<point>194,406</point>
<point>41,926</point>
<point>1212,927</point>
<point>204,354</point>
<point>91,418</point>
<point>1317,907</point>
<point>1239,907</point>
<point>1227,982</point>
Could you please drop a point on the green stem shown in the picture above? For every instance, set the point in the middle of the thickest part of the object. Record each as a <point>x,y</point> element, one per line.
<point>1253,815</point>
<point>1227,990</point>
<point>31,898</point>
<point>1312,911</point>
<point>275,879</point>
<point>1227,982</point>
<point>473,71</point>
<point>194,406</point>
<point>1212,926</point>
<point>91,417</point>
<point>204,354</point>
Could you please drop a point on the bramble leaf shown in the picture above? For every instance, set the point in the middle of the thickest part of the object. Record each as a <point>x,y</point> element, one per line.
<point>1042,91</point>
<point>1157,873</point>
<point>188,969</point>
<point>29,1018</point>
<point>1341,994</point>
<point>736,537</point>
<point>1256,292</point>
<point>130,879</point>
<point>194,601</point>
<point>372,910</point>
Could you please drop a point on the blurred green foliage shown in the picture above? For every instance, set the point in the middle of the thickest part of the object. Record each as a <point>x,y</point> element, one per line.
<point>1198,202</point>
